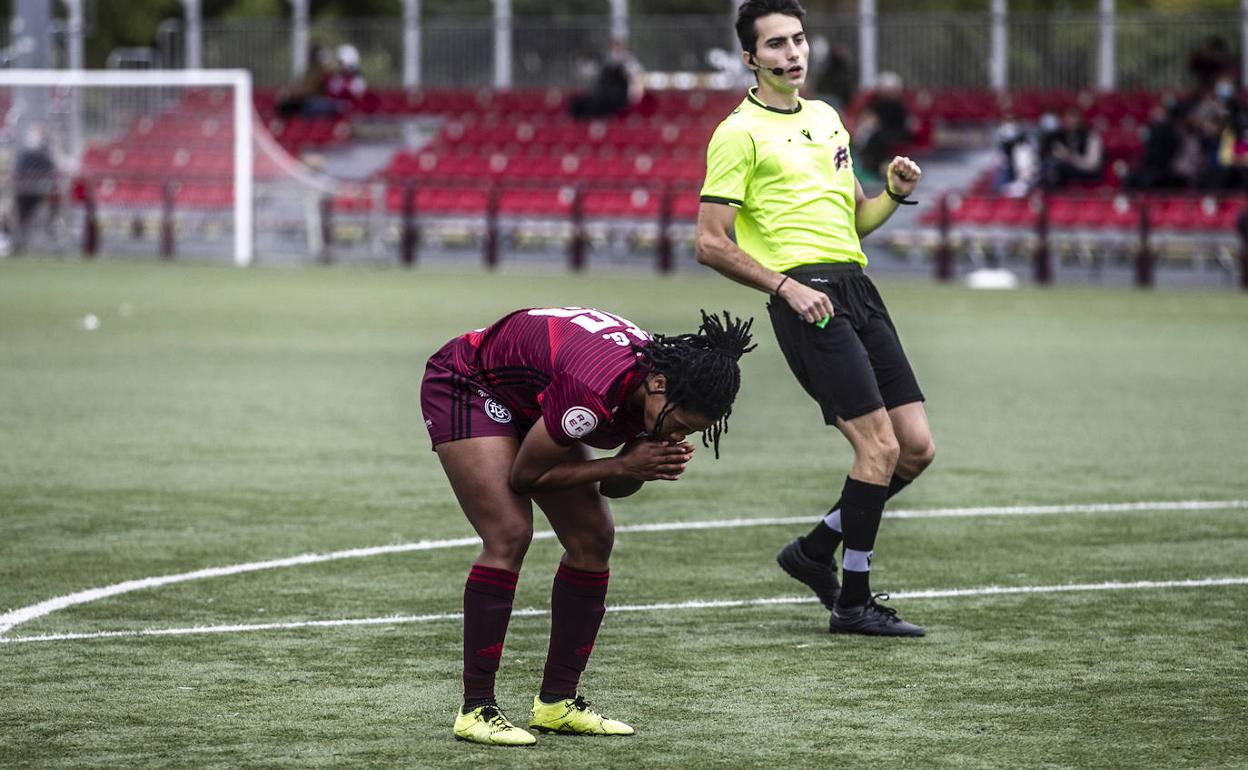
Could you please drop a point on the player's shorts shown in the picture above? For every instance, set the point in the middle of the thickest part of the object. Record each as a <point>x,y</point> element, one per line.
<point>454,407</point>
<point>855,364</point>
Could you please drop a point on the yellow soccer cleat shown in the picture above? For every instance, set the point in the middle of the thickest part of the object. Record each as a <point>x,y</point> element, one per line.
<point>488,725</point>
<point>573,716</point>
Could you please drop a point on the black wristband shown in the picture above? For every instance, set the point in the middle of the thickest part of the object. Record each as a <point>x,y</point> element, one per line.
<point>776,293</point>
<point>903,200</point>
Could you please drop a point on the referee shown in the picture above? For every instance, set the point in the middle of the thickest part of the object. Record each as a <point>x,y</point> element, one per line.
<point>778,169</point>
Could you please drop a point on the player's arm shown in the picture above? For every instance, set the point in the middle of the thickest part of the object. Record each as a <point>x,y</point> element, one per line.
<point>543,464</point>
<point>715,249</point>
<point>869,213</point>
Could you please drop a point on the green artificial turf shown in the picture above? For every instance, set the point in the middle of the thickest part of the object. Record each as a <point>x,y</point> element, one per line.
<point>221,416</point>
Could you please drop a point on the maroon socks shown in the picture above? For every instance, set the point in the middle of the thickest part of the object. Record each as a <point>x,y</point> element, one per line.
<point>488,597</point>
<point>577,604</point>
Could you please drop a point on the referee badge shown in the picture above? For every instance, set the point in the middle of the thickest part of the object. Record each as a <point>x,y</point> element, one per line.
<point>841,159</point>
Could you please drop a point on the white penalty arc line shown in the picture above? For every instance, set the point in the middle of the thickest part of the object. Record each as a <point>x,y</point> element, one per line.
<point>14,618</point>
<point>696,604</point>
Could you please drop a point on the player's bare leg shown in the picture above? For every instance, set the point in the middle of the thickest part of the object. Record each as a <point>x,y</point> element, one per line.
<point>582,521</point>
<point>478,469</point>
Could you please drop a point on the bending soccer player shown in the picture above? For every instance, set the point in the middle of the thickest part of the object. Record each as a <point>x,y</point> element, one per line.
<point>512,410</point>
<point>779,171</point>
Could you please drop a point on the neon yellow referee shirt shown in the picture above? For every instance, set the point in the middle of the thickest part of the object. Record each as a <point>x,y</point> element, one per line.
<point>790,176</point>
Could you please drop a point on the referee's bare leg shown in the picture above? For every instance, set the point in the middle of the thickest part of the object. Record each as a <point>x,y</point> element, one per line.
<point>877,453</point>
<point>914,439</point>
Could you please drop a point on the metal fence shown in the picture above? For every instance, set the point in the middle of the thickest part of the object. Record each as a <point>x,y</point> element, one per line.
<point>1052,51</point>
<point>1152,49</point>
<point>937,50</point>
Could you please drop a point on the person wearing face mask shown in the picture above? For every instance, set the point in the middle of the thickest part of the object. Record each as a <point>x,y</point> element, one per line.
<point>1017,160</point>
<point>1231,160</point>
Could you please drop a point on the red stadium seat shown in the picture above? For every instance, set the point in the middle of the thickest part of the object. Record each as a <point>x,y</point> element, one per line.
<point>685,204</point>
<point>440,200</point>
<point>639,202</point>
<point>1066,212</point>
<point>537,202</point>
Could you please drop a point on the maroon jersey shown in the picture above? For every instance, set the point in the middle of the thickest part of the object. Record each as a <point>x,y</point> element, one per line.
<point>572,367</point>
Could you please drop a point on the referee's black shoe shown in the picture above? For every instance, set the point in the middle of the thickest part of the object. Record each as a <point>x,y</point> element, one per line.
<point>871,619</point>
<point>820,577</point>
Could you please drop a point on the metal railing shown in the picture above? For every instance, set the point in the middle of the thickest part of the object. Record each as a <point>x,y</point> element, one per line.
<point>1152,48</point>
<point>1053,50</point>
<point>934,50</point>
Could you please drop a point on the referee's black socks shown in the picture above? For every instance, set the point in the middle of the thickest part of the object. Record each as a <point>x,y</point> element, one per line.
<point>862,506</point>
<point>822,541</point>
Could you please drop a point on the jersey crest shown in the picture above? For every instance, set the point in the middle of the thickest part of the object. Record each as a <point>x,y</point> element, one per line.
<point>841,158</point>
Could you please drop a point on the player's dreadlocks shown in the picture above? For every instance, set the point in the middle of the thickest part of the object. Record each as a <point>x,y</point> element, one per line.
<point>701,370</point>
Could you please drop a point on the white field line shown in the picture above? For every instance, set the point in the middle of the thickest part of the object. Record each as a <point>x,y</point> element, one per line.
<point>13,618</point>
<point>695,604</point>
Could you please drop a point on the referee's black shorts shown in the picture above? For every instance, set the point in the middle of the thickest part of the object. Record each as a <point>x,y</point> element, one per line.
<point>855,364</point>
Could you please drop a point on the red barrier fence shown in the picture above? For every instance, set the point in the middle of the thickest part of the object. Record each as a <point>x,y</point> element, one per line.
<point>1042,214</point>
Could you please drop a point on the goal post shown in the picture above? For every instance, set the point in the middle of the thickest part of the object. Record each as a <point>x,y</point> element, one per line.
<point>35,85</point>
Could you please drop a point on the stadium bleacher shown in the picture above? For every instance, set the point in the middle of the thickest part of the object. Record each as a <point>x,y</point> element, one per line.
<point>518,156</point>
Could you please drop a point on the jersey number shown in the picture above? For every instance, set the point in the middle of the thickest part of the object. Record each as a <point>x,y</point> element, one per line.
<point>595,321</point>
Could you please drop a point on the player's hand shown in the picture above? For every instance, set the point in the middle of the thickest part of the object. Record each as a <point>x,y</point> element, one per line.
<point>649,460</point>
<point>903,175</point>
<point>811,304</point>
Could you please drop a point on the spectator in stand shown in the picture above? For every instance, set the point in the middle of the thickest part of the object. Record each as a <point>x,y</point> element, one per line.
<point>1017,162</point>
<point>1196,127</point>
<point>884,125</point>
<point>619,85</point>
<point>35,179</point>
<point>308,97</point>
<point>346,85</point>
<point>1233,158</point>
<point>1210,115</point>
<point>1072,151</point>
<point>1161,149</point>
<point>1230,152</point>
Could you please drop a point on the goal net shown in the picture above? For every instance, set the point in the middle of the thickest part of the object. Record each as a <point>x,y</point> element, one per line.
<point>166,163</point>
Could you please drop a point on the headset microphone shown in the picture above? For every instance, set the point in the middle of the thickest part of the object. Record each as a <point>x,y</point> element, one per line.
<point>774,70</point>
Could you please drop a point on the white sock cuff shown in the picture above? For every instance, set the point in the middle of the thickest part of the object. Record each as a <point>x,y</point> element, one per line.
<point>857,561</point>
<point>833,520</point>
